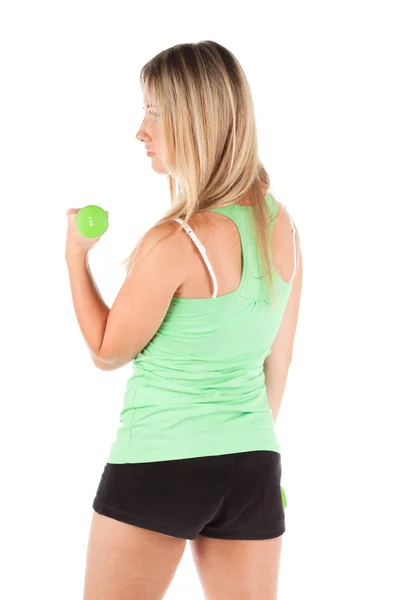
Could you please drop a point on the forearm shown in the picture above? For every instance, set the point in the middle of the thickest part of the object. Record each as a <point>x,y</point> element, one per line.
<point>275,383</point>
<point>90,309</point>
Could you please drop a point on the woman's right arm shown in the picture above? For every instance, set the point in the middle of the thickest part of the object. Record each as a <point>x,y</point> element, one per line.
<point>277,363</point>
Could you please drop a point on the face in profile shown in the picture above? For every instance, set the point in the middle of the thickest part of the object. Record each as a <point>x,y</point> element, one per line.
<point>150,133</point>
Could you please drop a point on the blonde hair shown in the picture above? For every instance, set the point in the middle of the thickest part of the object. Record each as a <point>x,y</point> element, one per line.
<point>209,138</point>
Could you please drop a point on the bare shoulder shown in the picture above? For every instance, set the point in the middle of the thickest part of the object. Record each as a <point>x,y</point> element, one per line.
<point>145,296</point>
<point>284,243</point>
<point>289,243</point>
<point>289,264</point>
<point>164,242</point>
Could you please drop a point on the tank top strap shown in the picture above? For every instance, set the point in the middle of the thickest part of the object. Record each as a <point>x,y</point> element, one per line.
<point>250,285</point>
<point>273,206</point>
<point>240,216</point>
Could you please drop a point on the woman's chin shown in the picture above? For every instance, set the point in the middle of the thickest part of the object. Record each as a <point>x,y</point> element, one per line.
<point>158,167</point>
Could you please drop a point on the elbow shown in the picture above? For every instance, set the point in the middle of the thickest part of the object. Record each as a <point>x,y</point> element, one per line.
<point>109,365</point>
<point>104,364</point>
<point>100,365</point>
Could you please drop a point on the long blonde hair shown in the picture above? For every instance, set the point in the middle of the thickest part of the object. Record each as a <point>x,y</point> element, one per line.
<point>209,138</point>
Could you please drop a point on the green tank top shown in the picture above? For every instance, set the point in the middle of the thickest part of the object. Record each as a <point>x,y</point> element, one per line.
<point>198,387</point>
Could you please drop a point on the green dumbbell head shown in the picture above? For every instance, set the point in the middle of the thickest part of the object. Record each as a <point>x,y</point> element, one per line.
<point>283,497</point>
<point>92,221</point>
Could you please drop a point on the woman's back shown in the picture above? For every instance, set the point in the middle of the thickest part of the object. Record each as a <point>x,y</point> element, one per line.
<point>198,387</point>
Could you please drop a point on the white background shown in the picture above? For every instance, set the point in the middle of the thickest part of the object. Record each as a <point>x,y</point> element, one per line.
<point>324,78</point>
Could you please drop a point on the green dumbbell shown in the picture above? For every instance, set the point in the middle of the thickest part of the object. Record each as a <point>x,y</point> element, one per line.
<point>283,497</point>
<point>92,221</point>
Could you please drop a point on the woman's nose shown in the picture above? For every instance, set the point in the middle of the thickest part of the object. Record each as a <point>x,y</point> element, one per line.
<point>141,133</point>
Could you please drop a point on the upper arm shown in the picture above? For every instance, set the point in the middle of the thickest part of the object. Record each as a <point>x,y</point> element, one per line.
<point>282,347</point>
<point>144,297</point>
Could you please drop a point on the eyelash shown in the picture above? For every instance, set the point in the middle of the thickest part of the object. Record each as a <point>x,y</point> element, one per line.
<point>156,116</point>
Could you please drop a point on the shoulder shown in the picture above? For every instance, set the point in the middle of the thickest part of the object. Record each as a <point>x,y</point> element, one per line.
<point>162,242</point>
<point>287,239</point>
<point>145,296</point>
<point>284,216</point>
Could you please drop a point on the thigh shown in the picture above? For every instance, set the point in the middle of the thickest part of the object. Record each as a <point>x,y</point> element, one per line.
<point>238,569</point>
<point>125,562</point>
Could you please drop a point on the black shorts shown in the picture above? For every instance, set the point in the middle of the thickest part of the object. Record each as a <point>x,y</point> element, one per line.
<point>232,496</point>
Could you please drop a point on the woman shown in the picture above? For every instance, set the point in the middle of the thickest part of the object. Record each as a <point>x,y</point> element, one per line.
<point>208,315</point>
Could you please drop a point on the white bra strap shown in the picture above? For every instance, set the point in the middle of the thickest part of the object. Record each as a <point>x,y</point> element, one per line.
<point>294,241</point>
<point>203,252</point>
<point>294,246</point>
